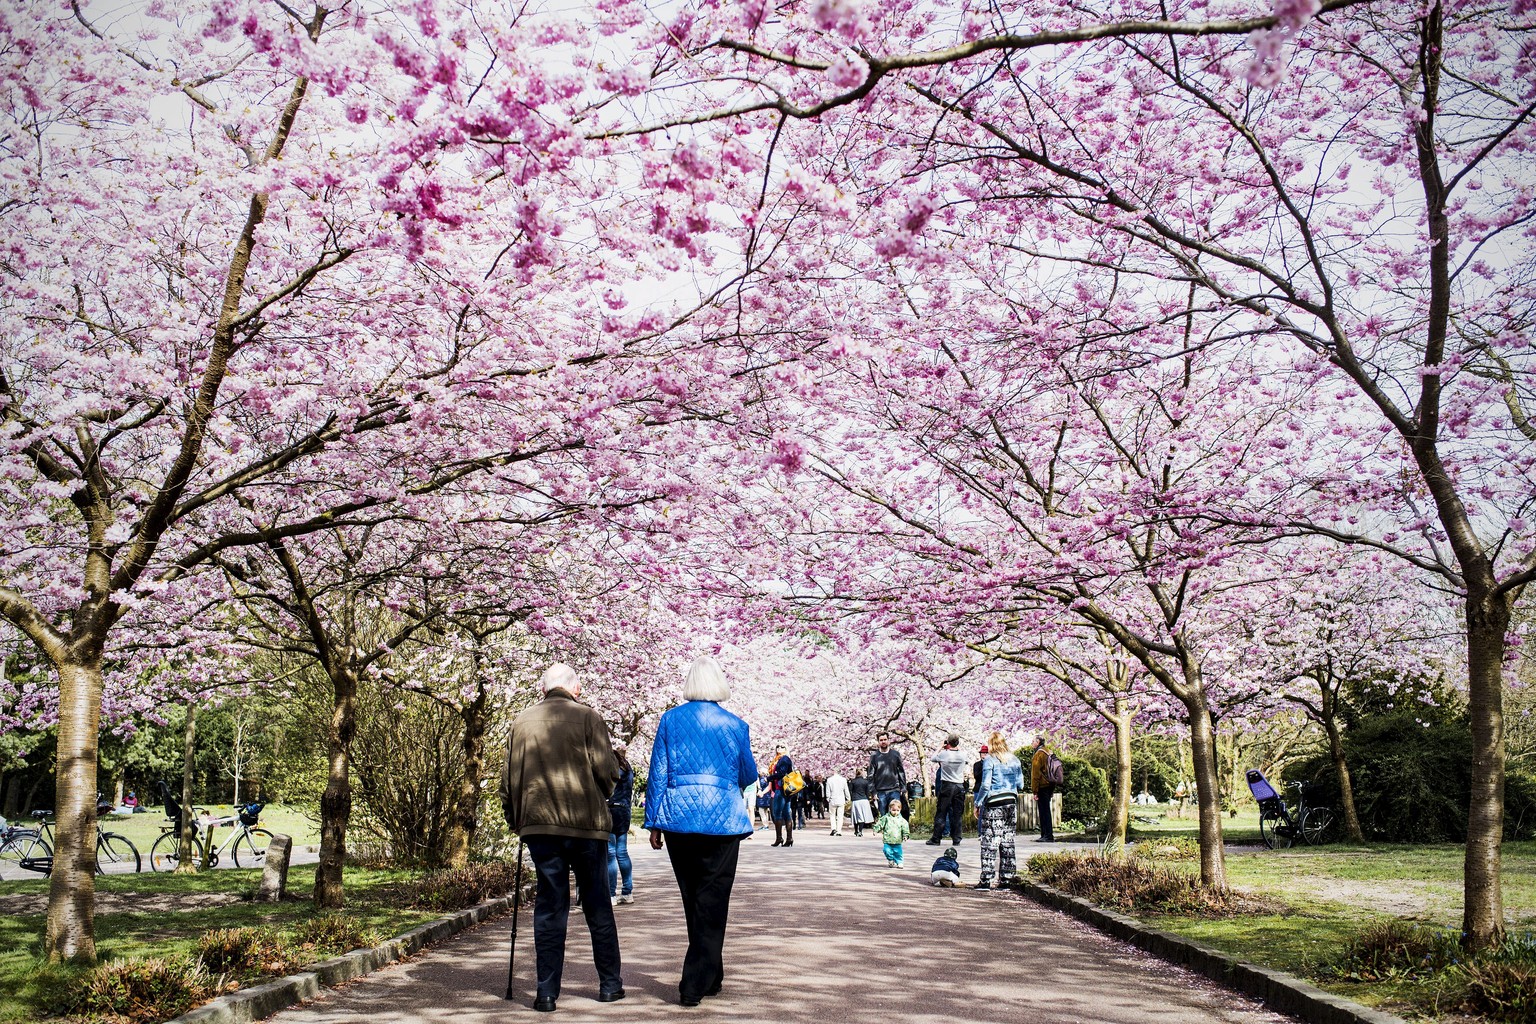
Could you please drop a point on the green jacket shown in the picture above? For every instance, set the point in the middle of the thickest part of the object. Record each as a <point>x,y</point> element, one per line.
<point>893,828</point>
<point>560,771</point>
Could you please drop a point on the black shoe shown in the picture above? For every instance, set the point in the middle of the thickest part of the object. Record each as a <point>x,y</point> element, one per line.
<point>789,842</point>
<point>933,842</point>
<point>687,1002</point>
<point>982,885</point>
<point>610,997</point>
<point>544,1004</point>
<point>778,842</point>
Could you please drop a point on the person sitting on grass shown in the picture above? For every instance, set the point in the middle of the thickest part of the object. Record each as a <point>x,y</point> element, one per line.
<point>893,831</point>
<point>946,870</point>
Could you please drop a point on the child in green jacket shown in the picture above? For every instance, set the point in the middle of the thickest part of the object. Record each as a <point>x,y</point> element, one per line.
<point>893,830</point>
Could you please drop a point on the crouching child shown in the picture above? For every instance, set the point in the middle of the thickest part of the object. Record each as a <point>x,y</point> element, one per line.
<point>946,870</point>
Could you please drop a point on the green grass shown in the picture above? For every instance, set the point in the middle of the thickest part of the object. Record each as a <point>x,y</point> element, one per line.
<point>1334,891</point>
<point>1239,830</point>
<point>29,987</point>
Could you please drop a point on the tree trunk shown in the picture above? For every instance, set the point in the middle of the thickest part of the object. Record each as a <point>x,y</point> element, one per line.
<point>1202,750</point>
<point>71,931</point>
<point>336,801</point>
<point>1488,618</point>
<point>186,854</point>
<point>922,771</point>
<point>1120,802</point>
<point>1347,811</point>
<point>466,811</point>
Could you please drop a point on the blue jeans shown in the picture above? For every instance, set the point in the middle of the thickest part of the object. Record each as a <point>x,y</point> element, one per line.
<point>618,861</point>
<point>883,800</point>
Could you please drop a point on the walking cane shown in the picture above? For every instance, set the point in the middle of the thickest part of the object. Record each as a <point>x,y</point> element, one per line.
<point>517,902</point>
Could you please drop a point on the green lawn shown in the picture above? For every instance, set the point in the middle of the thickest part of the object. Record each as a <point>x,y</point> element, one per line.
<point>149,914</point>
<point>1333,891</point>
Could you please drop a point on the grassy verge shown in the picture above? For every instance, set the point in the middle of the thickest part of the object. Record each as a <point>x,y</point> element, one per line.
<point>143,829</point>
<point>1377,924</point>
<point>165,919</point>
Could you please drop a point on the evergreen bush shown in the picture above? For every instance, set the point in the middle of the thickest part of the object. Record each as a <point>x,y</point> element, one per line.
<point>1084,791</point>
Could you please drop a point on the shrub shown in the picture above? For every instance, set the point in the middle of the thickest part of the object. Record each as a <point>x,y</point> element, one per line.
<point>145,990</point>
<point>1394,949</point>
<point>1128,885</point>
<point>1501,990</point>
<point>236,950</point>
<point>1170,848</point>
<point>334,933</point>
<point>1084,791</point>
<point>459,888</point>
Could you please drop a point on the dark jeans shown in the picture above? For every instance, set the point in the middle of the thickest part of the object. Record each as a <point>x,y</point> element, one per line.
<point>705,867</point>
<point>556,859</point>
<point>1043,803</point>
<point>951,808</point>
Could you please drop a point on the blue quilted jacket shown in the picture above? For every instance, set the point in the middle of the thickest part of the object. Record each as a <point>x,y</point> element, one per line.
<point>700,762</point>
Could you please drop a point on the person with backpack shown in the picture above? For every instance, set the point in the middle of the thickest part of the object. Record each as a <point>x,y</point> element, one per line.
<point>997,806</point>
<point>1045,774</point>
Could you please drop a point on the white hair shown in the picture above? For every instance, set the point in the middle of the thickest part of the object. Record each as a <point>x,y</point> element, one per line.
<point>705,681</point>
<point>559,675</point>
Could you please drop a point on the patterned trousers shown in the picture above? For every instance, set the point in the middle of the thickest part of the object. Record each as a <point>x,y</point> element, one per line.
<point>997,831</point>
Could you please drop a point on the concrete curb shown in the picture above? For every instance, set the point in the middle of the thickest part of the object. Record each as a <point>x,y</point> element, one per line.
<point>258,1001</point>
<point>1276,989</point>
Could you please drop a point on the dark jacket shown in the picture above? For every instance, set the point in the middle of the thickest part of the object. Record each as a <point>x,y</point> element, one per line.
<point>886,771</point>
<point>622,803</point>
<point>858,788</point>
<point>560,771</point>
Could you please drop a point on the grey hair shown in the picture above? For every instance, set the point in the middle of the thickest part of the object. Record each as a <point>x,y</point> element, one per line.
<point>559,675</point>
<point>705,681</point>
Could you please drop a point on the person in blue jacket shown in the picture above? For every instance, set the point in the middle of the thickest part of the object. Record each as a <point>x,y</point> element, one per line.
<point>700,762</point>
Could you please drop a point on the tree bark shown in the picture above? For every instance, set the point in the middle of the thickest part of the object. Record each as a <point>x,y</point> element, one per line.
<point>466,812</point>
<point>1120,803</point>
<point>336,801</point>
<point>1202,750</point>
<point>1488,617</point>
<point>1347,811</point>
<point>71,931</point>
<point>186,853</point>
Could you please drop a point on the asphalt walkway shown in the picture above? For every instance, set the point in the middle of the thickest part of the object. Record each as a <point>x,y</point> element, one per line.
<point>822,933</point>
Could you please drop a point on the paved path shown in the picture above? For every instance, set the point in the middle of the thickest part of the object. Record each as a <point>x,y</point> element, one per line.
<point>822,933</point>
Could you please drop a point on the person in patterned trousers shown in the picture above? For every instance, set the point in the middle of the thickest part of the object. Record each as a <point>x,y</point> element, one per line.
<point>997,804</point>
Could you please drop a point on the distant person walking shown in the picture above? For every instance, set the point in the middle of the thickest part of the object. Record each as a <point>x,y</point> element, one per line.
<point>560,772</point>
<point>700,761</point>
<point>1044,789</point>
<point>764,801</point>
<point>783,805</point>
<point>860,791</point>
<point>621,806</point>
<point>951,791</point>
<point>887,774</point>
<point>837,800</point>
<point>997,805</point>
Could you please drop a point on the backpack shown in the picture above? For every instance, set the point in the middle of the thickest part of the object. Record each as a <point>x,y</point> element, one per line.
<point>1055,772</point>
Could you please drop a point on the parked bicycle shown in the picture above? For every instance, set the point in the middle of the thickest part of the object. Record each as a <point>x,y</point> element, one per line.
<point>1280,825</point>
<point>112,848</point>
<point>25,847</point>
<point>247,844</point>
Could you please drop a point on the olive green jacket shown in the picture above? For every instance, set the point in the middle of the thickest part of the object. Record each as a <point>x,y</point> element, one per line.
<point>560,771</point>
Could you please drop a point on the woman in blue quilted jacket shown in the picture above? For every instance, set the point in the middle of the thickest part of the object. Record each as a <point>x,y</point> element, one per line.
<point>700,762</point>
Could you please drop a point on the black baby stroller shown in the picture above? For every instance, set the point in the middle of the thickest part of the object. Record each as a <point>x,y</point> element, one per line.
<point>1281,826</point>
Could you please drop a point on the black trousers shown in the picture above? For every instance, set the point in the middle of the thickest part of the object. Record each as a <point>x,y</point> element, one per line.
<point>950,810</point>
<point>705,867</point>
<point>556,859</point>
<point>1043,802</point>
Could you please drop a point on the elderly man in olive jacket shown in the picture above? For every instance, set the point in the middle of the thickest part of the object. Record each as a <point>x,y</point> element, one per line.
<point>560,771</point>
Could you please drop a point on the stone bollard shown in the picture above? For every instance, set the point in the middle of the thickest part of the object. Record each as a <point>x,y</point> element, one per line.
<point>274,874</point>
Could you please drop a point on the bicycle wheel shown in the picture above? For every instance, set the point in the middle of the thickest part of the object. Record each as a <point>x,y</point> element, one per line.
<point>166,853</point>
<point>26,846</point>
<point>1276,830</point>
<point>115,854</point>
<point>251,848</point>
<point>1317,826</point>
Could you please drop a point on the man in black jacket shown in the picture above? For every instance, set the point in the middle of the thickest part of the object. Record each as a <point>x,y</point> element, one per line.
<point>889,777</point>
